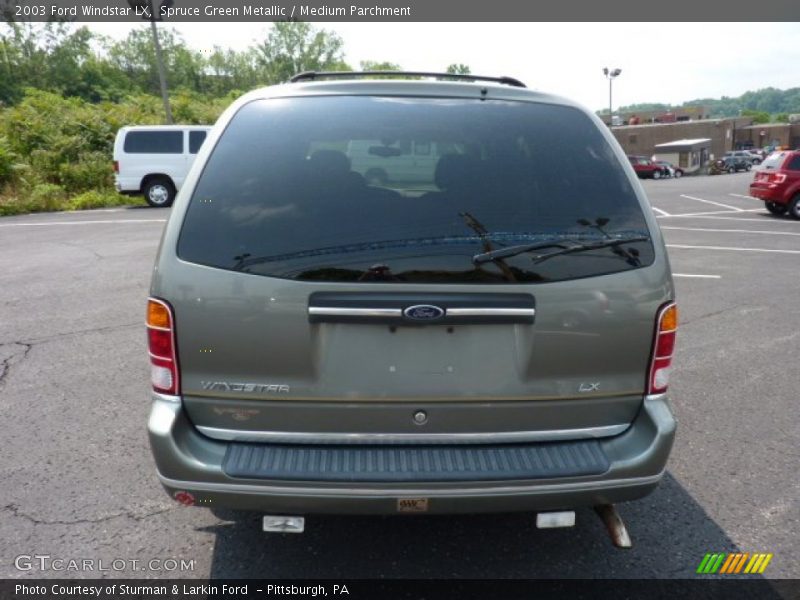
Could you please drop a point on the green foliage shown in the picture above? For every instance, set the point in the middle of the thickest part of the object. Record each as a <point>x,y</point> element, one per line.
<point>375,65</point>
<point>757,115</point>
<point>293,47</point>
<point>459,69</point>
<point>55,152</point>
<point>767,101</point>
<point>7,161</point>
<point>99,199</point>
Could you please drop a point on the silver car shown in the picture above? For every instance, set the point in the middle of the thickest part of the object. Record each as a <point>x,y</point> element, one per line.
<point>494,334</point>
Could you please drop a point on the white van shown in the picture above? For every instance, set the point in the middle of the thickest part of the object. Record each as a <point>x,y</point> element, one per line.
<point>154,159</point>
<point>407,160</point>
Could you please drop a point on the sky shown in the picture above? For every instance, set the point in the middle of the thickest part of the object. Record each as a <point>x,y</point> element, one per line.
<point>660,62</point>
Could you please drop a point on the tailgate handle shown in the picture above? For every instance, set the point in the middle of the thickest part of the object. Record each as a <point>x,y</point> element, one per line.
<point>420,309</point>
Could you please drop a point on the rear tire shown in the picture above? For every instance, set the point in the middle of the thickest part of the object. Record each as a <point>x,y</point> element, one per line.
<point>656,174</point>
<point>794,207</point>
<point>775,208</point>
<point>678,173</point>
<point>159,192</point>
<point>748,167</point>
<point>731,169</point>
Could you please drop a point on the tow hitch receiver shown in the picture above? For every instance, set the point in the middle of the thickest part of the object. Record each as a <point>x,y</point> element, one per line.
<point>284,524</point>
<point>613,522</point>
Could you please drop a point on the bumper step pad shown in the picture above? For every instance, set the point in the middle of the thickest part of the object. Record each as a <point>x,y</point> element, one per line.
<point>415,463</point>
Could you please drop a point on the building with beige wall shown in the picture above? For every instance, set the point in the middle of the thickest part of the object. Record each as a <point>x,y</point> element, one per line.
<point>642,139</point>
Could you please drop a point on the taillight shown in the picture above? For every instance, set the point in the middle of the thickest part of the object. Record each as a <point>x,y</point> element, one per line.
<point>777,177</point>
<point>161,345</point>
<point>116,166</point>
<point>663,347</point>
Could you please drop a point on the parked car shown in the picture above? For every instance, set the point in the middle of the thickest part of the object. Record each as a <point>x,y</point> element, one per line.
<point>645,168</point>
<point>734,163</point>
<point>671,170</point>
<point>742,156</point>
<point>154,160</point>
<point>758,156</point>
<point>778,183</point>
<point>322,345</point>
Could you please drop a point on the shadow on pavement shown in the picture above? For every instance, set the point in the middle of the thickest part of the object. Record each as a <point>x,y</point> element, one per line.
<point>671,534</point>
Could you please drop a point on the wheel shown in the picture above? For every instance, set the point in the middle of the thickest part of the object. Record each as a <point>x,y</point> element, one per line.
<point>794,207</point>
<point>748,167</point>
<point>376,177</point>
<point>678,173</point>
<point>656,174</point>
<point>775,208</point>
<point>159,192</point>
<point>756,161</point>
<point>731,169</point>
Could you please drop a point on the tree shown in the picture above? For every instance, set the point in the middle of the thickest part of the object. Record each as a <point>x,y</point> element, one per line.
<point>758,116</point>
<point>292,47</point>
<point>459,69</point>
<point>374,65</point>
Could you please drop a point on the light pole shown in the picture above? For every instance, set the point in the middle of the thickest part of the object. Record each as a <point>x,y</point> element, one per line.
<point>610,75</point>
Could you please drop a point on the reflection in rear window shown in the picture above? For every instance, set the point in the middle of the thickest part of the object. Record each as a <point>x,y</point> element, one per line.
<point>409,190</point>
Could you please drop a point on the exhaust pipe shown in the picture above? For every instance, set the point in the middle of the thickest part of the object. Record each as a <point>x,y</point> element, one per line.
<point>616,527</point>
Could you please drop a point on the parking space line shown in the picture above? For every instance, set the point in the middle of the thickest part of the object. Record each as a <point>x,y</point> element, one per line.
<point>734,208</point>
<point>696,276</point>
<point>708,216</point>
<point>743,196</point>
<point>82,222</point>
<point>720,212</point>
<point>761,231</point>
<point>663,213</point>
<point>733,248</point>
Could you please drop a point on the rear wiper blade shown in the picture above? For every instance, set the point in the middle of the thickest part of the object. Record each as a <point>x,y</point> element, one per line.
<point>564,247</point>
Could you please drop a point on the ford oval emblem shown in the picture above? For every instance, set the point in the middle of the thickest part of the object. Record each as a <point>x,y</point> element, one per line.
<point>424,312</point>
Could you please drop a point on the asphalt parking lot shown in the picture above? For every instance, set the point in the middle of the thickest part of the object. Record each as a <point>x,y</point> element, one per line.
<point>78,481</point>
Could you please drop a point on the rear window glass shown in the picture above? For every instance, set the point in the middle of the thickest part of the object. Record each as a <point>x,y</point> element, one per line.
<point>774,160</point>
<point>378,189</point>
<point>794,164</point>
<point>196,139</point>
<point>154,142</point>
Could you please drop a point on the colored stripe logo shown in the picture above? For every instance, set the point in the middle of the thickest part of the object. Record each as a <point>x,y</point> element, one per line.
<point>733,563</point>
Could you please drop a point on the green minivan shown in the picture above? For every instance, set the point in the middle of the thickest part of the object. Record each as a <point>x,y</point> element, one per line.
<point>494,334</point>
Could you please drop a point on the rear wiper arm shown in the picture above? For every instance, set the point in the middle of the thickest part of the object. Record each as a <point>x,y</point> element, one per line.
<point>564,247</point>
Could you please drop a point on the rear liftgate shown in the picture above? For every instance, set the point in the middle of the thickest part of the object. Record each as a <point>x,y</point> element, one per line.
<point>417,309</point>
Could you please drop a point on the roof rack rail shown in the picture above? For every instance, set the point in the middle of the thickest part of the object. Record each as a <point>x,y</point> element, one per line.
<point>311,75</point>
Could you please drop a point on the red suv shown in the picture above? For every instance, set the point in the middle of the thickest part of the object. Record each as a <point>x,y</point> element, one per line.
<point>777,183</point>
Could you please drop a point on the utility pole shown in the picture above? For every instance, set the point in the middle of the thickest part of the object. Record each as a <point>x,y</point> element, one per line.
<point>162,77</point>
<point>147,9</point>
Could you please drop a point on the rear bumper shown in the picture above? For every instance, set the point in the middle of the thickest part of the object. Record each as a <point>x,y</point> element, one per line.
<point>127,185</point>
<point>767,194</point>
<point>190,467</point>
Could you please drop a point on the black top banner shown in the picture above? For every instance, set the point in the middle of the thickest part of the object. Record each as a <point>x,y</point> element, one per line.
<point>396,10</point>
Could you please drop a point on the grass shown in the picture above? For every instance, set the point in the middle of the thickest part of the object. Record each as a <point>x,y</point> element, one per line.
<point>49,198</point>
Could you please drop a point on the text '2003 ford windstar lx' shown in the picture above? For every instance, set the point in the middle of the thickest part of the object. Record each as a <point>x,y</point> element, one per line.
<point>493,333</point>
